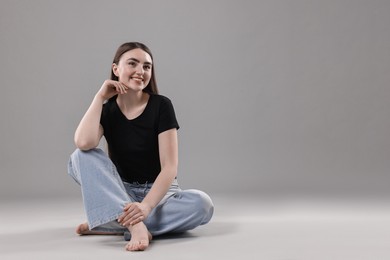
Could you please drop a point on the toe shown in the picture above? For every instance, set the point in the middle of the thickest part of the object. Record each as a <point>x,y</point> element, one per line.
<point>82,228</point>
<point>143,245</point>
<point>130,246</point>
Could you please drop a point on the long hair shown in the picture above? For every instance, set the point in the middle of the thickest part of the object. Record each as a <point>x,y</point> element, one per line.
<point>151,88</point>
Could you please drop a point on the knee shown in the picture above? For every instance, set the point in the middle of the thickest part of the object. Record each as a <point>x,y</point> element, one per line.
<point>79,158</point>
<point>203,205</point>
<point>78,153</point>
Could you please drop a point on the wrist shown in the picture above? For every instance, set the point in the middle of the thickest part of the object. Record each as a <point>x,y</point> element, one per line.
<point>147,205</point>
<point>99,98</point>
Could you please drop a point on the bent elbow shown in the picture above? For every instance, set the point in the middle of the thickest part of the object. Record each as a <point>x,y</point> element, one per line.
<point>85,145</point>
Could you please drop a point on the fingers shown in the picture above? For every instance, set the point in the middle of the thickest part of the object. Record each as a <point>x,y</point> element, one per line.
<point>128,206</point>
<point>131,215</point>
<point>120,87</point>
<point>111,88</point>
<point>126,215</point>
<point>134,220</point>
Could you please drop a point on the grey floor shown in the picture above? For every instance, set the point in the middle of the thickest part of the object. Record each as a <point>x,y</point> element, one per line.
<point>242,228</point>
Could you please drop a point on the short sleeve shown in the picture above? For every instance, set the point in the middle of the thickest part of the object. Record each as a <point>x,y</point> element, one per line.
<point>167,117</point>
<point>103,116</point>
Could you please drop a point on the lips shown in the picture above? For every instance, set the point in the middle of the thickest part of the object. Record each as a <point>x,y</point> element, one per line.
<point>137,79</point>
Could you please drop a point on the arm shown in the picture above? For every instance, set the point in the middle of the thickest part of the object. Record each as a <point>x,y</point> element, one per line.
<point>89,132</point>
<point>168,149</point>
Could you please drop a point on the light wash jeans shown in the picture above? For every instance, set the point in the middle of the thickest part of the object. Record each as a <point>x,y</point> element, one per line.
<point>105,195</point>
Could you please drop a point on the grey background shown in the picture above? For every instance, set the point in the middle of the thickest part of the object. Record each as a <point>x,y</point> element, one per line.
<point>276,98</point>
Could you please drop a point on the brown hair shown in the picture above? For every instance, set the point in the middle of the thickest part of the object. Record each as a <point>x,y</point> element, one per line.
<point>151,88</point>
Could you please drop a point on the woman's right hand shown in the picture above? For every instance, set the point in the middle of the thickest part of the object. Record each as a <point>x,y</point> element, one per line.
<point>111,88</point>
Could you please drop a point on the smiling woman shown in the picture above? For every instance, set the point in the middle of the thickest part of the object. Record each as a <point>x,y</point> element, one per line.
<point>134,69</point>
<point>151,87</point>
<point>135,187</point>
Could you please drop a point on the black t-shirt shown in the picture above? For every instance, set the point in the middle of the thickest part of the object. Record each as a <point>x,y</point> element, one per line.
<point>133,144</point>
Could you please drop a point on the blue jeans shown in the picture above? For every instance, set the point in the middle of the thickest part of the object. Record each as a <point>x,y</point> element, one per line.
<point>105,195</point>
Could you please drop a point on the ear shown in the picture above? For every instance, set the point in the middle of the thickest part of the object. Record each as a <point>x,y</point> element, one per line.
<point>115,69</point>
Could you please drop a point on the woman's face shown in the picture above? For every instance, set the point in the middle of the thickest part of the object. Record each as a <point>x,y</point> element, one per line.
<point>134,69</point>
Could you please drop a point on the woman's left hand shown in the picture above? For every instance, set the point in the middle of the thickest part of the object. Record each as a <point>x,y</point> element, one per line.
<point>134,213</point>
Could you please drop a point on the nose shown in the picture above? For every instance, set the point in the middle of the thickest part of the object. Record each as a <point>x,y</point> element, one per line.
<point>140,69</point>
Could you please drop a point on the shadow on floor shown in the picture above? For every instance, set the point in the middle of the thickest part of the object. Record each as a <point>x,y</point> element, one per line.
<point>213,229</point>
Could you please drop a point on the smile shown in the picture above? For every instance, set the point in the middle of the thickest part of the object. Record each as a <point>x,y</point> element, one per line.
<point>137,79</point>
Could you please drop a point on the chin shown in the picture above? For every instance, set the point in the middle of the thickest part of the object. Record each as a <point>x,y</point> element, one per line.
<point>137,89</point>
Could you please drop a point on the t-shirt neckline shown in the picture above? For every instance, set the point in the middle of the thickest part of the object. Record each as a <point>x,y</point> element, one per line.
<point>135,118</point>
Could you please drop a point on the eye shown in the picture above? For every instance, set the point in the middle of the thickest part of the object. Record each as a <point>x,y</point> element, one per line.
<point>132,63</point>
<point>147,67</point>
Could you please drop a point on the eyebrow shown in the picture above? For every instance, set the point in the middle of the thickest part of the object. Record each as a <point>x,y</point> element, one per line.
<point>134,59</point>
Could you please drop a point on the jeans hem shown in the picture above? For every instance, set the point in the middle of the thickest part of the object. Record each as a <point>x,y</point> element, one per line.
<point>96,224</point>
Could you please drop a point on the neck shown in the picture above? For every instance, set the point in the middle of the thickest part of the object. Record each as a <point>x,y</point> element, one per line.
<point>132,105</point>
<point>131,99</point>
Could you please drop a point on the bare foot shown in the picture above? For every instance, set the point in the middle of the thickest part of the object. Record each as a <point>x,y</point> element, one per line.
<point>83,229</point>
<point>140,237</point>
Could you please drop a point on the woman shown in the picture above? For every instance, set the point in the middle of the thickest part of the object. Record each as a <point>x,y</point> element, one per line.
<point>135,188</point>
